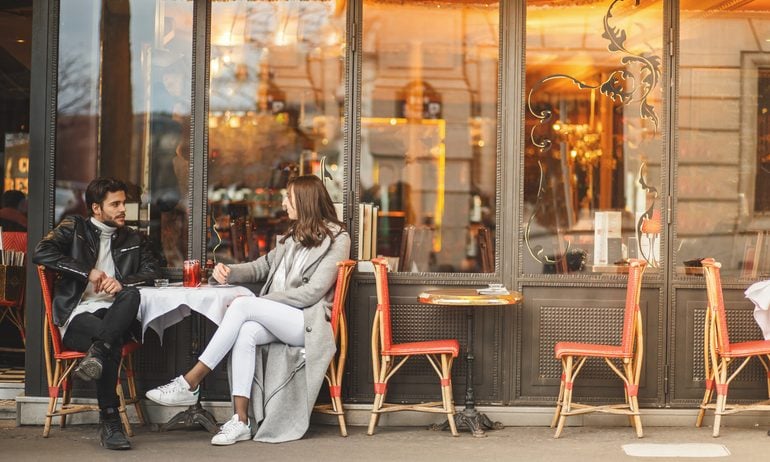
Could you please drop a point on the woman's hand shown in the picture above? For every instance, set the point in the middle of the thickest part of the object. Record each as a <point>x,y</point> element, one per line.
<point>221,273</point>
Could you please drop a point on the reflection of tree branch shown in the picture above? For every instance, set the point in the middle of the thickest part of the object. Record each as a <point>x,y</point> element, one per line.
<point>73,86</point>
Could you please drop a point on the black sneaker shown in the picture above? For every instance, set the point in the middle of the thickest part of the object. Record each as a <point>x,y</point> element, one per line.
<point>111,434</point>
<point>90,367</point>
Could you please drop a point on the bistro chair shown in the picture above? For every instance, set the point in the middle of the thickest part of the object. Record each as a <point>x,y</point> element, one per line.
<point>720,352</point>
<point>59,375</point>
<point>440,354</point>
<point>630,352</point>
<point>340,329</point>
<point>12,308</point>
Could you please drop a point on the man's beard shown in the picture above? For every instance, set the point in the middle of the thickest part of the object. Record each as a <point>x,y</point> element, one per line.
<point>113,224</point>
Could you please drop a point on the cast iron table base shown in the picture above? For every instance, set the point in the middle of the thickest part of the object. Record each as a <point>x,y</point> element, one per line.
<point>470,418</point>
<point>473,420</point>
<point>191,417</point>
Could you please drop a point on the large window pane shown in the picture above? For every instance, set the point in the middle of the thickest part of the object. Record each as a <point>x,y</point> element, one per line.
<point>124,75</point>
<point>429,105</point>
<point>16,47</point>
<point>723,206</point>
<point>276,106</point>
<point>593,150</point>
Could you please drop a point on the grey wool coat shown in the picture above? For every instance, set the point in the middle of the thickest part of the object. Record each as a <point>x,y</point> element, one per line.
<point>287,379</point>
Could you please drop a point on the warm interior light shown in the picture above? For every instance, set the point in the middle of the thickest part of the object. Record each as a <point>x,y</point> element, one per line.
<point>287,31</point>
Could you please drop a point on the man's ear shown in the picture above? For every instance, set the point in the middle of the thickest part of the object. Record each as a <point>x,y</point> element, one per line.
<point>96,208</point>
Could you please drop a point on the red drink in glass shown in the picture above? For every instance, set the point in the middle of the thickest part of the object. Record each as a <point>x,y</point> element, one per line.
<point>191,273</point>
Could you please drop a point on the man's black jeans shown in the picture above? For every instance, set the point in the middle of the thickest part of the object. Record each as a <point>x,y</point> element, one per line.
<point>114,326</point>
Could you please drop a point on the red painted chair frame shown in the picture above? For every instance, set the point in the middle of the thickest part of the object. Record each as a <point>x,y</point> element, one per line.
<point>13,310</point>
<point>440,354</point>
<point>340,329</point>
<point>720,352</point>
<point>60,366</point>
<point>630,352</point>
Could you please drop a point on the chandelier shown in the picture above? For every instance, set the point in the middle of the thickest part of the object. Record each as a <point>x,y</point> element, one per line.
<point>583,143</point>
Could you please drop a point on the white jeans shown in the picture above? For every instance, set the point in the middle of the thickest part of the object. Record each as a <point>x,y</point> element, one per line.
<point>249,322</point>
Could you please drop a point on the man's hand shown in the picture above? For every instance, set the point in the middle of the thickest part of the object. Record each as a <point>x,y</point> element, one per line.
<point>221,273</point>
<point>111,286</point>
<point>97,277</point>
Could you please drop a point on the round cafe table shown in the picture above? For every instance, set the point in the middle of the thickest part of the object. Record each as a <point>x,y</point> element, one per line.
<point>161,307</point>
<point>471,300</point>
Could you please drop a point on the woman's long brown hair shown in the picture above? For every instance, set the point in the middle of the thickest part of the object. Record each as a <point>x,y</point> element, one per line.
<point>315,210</point>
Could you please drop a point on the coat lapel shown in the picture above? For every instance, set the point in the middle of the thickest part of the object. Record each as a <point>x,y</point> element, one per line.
<point>316,253</point>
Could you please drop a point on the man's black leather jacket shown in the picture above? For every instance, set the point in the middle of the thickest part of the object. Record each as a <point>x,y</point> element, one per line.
<point>71,249</point>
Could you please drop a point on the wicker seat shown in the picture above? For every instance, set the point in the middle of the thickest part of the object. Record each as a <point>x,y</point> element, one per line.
<point>440,354</point>
<point>719,352</point>
<point>629,353</point>
<point>60,363</point>
<point>340,329</point>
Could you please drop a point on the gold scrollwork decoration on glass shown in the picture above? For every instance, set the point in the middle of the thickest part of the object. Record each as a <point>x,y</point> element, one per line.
<point>649,224</point>
<point>613,86</point>
<point>538,252</point>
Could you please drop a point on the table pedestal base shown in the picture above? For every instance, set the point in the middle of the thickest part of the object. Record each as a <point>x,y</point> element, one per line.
<point>191,417</point>
<point>473,420</point>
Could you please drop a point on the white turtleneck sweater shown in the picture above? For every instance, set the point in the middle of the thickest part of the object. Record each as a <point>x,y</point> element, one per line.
<point>91,301</point>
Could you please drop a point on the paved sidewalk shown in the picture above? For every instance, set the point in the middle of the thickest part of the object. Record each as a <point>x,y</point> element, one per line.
<point>322,443</point>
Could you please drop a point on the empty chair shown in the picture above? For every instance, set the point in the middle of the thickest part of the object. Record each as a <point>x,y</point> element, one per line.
<point>630,353</point>
<point>720,352</point>
<point>387,358</point>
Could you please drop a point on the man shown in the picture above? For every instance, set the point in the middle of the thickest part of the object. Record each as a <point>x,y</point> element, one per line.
<point>13,214</point>
<point>100,261</point>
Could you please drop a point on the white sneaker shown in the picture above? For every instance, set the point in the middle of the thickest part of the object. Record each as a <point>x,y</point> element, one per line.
<point>231,432</point>
<point>175,393</point>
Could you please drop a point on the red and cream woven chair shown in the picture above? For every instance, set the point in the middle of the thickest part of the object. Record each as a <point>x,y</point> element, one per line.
<point>630,353</point>
<point>61,363</point>
<point>720,352</point>
<point>440,354</point>
<point>340,328</point>
<point>13,310</point>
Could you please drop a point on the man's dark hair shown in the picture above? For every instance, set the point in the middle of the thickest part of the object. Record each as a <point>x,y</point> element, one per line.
<point>12,198</point>
<point>97,191</point>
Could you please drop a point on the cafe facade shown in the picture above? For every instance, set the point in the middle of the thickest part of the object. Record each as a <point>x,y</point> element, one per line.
<point>537,144</point>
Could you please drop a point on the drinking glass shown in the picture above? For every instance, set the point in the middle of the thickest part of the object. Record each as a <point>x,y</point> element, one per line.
<point>191,273</point>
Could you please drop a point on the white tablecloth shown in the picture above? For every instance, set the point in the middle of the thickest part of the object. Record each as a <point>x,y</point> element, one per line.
<point>759,294</point>
<point>161,307</point>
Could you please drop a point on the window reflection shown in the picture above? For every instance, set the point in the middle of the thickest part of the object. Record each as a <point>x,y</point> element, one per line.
<point>276,106</point>
<point>428,134</point>
<point>593,149</point>
<point>722,177</point>
<point>123,110</point>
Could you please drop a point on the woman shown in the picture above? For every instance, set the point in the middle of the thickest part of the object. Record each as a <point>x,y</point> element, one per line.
<point>292,311</point>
